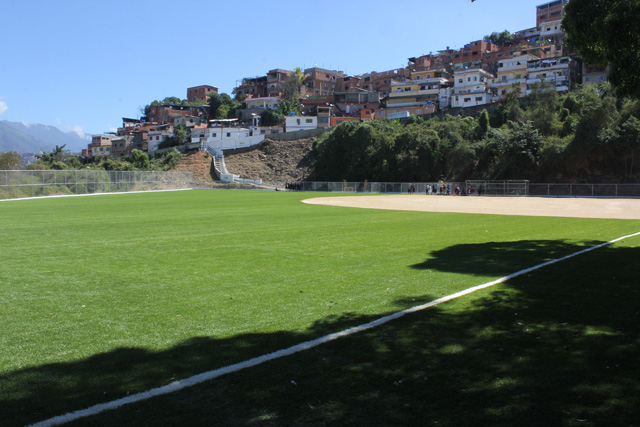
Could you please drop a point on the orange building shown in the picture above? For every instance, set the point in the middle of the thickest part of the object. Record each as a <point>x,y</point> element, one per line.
<point>200,92</point>
<point>552,11</point>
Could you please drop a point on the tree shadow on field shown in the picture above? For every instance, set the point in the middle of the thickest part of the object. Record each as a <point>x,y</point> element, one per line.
<point>555,347</point>
<point>499,258</point>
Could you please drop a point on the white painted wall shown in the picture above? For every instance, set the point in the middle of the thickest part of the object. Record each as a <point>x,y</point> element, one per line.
<point>296,123</point>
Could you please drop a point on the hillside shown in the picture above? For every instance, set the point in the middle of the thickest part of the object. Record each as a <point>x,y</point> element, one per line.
<point>199,163</point>
<point>275,162</point>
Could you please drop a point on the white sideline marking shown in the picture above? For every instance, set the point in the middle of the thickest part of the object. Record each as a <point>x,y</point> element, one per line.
<point>206,376</point>
<point>92,194</point>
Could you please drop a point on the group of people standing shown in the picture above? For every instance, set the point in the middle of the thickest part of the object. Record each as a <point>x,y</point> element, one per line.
<point>442,189</point>
<point>293,186</point>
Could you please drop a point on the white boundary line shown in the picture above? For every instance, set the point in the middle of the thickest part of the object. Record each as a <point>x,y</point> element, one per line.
<point>92,194</point>
<point>206,376</point>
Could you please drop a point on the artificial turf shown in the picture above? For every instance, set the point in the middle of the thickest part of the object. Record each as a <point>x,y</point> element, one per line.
<point>109,295</point>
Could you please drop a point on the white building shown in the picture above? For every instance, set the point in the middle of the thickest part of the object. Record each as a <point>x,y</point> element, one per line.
<point>297,123</point>
<point>157,137</point>
<point>471,88</point>
<point>264,103</point>
<point>512,73</point>
<point>218,138</point>
<point>551,28</point>
<point>555,71</point>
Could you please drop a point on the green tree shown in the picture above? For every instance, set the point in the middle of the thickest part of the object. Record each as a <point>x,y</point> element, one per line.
<point>292,84</point>
<point>483,125</point>
<point>499,38</point>
<point>10,161</point>
<point>607,32</point>
<point>272,117</point>
<point>629,142</point>
<point>542,106</point>
<point>180,137</point>
<point>140,160</point>
<point>222,106</point>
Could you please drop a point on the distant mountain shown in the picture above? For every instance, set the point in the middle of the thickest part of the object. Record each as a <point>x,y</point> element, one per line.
<point>31,138</point>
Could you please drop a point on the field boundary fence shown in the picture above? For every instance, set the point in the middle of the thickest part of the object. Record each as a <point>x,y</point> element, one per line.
<point>585,190</point>
<point>471,187</point>
<point>41,183</point>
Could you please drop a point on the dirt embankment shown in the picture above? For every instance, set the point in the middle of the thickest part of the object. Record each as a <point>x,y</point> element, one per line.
<point>198,162</point>
<point>275,162</point>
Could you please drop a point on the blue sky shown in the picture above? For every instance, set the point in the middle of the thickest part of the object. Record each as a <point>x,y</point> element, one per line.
<point>83,65</point>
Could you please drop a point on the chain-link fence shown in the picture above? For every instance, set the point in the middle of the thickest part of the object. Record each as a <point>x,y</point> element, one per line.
<point>585,190</point>
<point>472,187</point>
<point>21,184</point>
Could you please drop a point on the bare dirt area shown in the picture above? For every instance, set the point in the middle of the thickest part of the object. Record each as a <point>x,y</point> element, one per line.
<point>527,206</point>
<point>275,162</point>
<point>198,162</point>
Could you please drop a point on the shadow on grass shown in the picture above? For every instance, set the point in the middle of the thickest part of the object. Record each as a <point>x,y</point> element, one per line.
<point>499,258</point>
<point>558,347</point>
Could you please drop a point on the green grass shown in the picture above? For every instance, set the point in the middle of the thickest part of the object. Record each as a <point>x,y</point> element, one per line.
<point>108,295</point>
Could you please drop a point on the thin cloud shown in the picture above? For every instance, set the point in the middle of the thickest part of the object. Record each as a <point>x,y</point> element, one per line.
<point>79,131</point>
<point>3,107</point>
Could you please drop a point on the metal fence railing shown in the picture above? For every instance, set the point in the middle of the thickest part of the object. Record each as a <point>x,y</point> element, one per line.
<point>585,190</point>
<point>471,187</point>
<point>39,183</point>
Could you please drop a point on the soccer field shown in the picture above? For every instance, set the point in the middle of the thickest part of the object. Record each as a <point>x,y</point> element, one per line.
<point>111,295</point>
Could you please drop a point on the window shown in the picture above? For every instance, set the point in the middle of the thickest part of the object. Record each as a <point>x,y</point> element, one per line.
<point>475,78</point>
<point>466,100</point>
<point>478,98</point>
<point>504,78</point>
<point>213,135</point>
<point>228,134</point>
<point>417,77</point>
<point>309,120</point>
<point>459,80</point>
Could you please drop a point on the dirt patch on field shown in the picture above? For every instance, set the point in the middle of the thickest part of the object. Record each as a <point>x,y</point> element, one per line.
<point>527,206</point>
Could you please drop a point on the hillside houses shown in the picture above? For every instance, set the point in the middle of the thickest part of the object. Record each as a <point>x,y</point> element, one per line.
<point>480,73</point>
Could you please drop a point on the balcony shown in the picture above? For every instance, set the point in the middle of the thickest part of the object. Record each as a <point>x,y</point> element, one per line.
<point>409,104</point>
<point>469,91</point>
<point>544,67</point>
<point>501,83</point>
<point>440,81</point>
<point>421,92</point>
